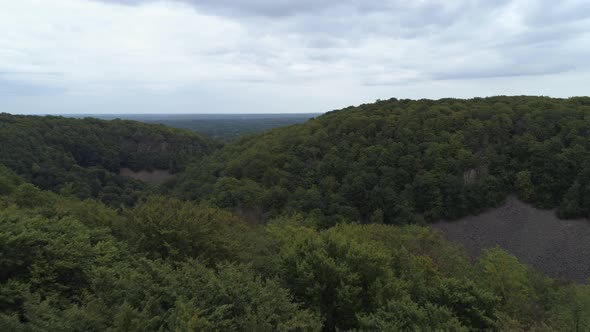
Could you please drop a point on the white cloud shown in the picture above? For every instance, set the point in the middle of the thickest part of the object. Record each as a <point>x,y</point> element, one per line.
<point>93,45</point>
<point>269,56</point>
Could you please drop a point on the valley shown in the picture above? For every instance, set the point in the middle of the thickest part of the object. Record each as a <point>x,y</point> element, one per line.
<point>331,224</point>
<point>222,127</point>
<point>294,166</point>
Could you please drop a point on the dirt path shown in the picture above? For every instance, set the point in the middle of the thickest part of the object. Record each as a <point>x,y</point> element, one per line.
<point>559,248</point>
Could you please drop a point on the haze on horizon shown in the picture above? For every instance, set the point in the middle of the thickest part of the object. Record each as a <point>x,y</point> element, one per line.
<point>279,56</point>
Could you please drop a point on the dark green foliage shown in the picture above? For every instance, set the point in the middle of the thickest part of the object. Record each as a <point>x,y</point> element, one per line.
<point>167,265</point>
<point>8,181</point>
<point>83,157</point>
<point>576,201</point>
<point>169,228</point>
<point>405,315</point>
<point>74,272</point>
<point>71,264</point>
<point>400,161</point>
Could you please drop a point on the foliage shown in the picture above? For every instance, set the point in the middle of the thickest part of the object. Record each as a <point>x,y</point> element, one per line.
<point>69,262</point>
<point>169,228</point>
<point>400,161</point>
<point>71,265</point>
<point>82,157</point>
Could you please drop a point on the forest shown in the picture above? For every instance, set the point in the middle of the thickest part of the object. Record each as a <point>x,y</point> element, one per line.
<point>312,227</point>
<point>405,161</point>
<point>84,156</point>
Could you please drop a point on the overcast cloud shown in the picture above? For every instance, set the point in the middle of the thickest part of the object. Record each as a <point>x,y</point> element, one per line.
<point>232,56</point>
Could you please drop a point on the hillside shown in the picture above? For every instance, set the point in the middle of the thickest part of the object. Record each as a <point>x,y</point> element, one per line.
<point>558,248</point>
<point>168,265</point>
<point>399,161</point>
<point>84,156</point>
<point>269,235</point>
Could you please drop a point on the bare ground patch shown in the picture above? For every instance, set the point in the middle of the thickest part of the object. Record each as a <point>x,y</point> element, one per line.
<point>559,248</point>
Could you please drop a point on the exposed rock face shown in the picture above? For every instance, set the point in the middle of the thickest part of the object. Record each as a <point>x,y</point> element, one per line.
<point>473,175</point>
<point>171,153</point>
<point>149,146</point>
<point>155,176</point>
<point>559,248</point>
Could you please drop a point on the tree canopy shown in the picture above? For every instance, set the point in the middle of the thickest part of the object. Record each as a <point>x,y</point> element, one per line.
<point>399,161</point>
<point>311,227</point>
<point>168,265</point>
<point>83,157</point>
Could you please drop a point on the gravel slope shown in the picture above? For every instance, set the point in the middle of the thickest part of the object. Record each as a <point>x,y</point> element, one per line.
<point>559,248</point>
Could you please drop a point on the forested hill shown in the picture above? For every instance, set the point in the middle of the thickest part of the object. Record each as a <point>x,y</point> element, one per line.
<point>403,160</point>
<point>165,264</point>
<point>83,156</point>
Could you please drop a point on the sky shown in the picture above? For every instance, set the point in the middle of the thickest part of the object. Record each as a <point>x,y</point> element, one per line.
<point>279,56</point>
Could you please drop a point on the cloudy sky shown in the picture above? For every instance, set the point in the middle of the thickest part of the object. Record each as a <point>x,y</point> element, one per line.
<point>274,56</point>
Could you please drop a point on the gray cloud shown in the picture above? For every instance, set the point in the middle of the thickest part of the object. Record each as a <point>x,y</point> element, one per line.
<point>445,34</point>
<point>273,8</point>
<point>285,47</point>
<point>546,12</point>
<point>26,89</point>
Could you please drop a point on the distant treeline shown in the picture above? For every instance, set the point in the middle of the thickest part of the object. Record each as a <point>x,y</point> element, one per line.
<point>221,127</point>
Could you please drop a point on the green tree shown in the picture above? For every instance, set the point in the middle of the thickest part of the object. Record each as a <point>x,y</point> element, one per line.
<point>524,186</point>
<point>170,228</point>
<point>509,280</point>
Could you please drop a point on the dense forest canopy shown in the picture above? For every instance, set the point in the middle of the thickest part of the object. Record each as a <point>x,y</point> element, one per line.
<point>398,161</point>
<point>84,156</point>
<point>302,228</point>
<point>171,265</point>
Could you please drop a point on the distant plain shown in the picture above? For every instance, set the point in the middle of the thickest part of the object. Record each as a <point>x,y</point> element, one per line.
<point>223,127</point>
